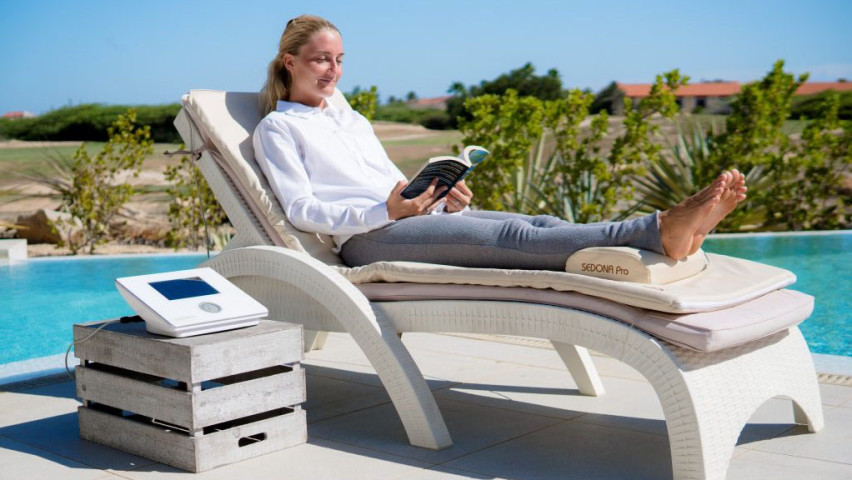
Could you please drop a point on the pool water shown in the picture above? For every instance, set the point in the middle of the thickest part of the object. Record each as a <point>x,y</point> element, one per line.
<point>40,299</point>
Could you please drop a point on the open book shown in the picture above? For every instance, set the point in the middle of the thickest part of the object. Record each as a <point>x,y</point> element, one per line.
<point>449,170</point>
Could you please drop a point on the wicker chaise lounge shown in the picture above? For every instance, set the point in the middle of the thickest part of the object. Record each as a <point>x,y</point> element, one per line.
<point>711,368</point>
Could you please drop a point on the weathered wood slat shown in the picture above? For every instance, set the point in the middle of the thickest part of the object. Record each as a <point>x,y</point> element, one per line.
<point>195,454</point>
<point>234,444</point>
<point>135,395</point>
<point>249,397</point>
<point>144,395</point>
<point>130,346</point>
<point>191,359</point>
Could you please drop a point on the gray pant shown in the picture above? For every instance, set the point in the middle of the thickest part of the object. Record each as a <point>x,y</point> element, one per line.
<point>496,240</point>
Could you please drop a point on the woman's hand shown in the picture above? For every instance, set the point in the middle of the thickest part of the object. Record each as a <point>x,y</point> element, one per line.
<point>458,198</point>
<point>400,207</point>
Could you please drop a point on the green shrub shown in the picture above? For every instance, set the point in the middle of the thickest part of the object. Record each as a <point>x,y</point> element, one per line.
<point>508,125</point>
<point>807,184</point>
<point>396,112</point>
<point>193,206</point>
<point>671,176</point>
<point>436,120</point>
<point>575,180</point>
<point>810,106</point>
<point>99,186</point>
<point>805,178</point>
<point>793,185</point>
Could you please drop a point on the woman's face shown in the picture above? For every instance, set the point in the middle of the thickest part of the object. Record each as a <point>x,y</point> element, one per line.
<point>316,69</point>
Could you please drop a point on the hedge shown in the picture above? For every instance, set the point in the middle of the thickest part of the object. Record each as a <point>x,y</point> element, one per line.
<point>89,122</point>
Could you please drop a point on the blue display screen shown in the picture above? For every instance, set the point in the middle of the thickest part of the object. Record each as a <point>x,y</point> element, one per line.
<point>183,288</point>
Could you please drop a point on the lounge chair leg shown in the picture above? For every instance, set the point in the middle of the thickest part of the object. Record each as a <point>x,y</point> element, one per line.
<point>707,398</point>
<point>581,367</point>
<point>808,414</point>
<point>314,340</point>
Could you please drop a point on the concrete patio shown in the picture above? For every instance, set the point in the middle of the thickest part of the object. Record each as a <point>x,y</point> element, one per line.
<point>511,407</point>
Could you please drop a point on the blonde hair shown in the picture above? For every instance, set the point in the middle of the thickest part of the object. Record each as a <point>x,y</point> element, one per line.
<point>297,33</point>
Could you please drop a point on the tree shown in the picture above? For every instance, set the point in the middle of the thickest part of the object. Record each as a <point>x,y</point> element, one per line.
<point>755,142</point>
<point>99,185</point>
<point>806,188</point>
<point>523,81</point>
<point>607,99</point>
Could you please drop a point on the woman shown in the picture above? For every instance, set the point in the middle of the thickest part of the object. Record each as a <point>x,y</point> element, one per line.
<point>332,176</point>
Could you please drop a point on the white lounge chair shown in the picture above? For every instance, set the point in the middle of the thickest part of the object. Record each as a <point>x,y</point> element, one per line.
<point>709,379</point>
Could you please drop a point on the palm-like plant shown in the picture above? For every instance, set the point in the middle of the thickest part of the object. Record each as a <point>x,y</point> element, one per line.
<point>671,177</point>
<point>55,175</point>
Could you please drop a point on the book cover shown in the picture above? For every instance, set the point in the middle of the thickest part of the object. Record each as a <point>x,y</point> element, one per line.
<point>447,169</point>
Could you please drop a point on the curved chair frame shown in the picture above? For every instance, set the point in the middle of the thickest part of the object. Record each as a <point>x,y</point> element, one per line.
<point>706,397</point>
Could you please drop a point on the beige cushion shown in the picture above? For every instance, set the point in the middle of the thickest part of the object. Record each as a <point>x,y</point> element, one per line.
<point>634,265</point>
<point>228,120</point>
<point>725,282</point>
<point>706,332</point>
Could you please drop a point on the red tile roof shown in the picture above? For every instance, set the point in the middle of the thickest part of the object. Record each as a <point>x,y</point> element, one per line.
<point>424,102</point>
<point>726,89</point>
<point>714,89</point>
<point>811,88</point>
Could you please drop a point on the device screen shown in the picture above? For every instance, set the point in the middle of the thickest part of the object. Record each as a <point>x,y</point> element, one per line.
<point>183,288</point>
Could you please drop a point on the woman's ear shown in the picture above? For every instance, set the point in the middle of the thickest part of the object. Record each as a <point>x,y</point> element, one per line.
<point>288,61</point>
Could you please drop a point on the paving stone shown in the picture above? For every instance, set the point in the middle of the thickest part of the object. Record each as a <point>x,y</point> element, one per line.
<point>19,460</point>
<point>755,465</point>
<point>574,450</point>
<point>316,460</point>
<point>473,427</point>
<point>833,443</point>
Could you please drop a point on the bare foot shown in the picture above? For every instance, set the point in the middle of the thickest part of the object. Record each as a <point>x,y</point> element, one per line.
<point>734,193</point>
<point>679,224</point>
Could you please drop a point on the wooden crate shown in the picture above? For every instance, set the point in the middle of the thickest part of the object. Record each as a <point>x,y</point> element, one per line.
<point>196,402</point>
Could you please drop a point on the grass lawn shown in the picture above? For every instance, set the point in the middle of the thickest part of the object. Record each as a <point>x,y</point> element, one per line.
<point>435,137</point>
<point>37,160</point>
<point>409,153</point>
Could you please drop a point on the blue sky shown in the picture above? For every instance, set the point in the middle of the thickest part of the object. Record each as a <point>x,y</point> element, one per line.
<point>56,53</point>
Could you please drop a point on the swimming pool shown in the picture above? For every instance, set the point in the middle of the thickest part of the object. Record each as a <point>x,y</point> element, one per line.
<point>42,298</point>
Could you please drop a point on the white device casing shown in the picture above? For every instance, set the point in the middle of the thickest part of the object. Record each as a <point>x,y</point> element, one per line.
<point>227,309</point>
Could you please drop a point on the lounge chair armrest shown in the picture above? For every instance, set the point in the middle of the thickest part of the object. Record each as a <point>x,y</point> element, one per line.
<point>377,337</point>
<point>314,278</point>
